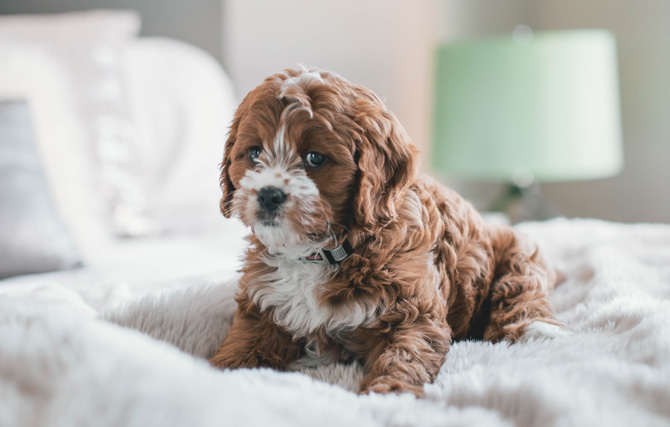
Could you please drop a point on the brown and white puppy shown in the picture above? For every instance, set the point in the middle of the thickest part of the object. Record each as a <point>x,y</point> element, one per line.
<point>353,256</point>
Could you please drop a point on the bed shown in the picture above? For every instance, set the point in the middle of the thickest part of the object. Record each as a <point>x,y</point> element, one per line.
<point>123,339</point>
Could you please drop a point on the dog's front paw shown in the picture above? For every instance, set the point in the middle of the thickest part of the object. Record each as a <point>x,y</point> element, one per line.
<point>539,330</point>
<point>387,384</point>
<point>226,359</point>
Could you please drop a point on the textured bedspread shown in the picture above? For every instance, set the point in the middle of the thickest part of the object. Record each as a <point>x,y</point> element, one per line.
<point>61,366</point>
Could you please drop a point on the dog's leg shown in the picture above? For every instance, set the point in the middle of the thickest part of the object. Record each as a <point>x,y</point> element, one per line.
<point>411,356</point>
<point>256,341</point>
<point>520,295</point>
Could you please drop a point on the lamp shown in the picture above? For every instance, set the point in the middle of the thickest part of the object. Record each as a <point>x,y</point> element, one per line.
<point>528,108</point>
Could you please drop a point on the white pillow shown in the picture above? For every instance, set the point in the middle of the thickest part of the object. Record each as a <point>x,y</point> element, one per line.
<point>183,102</point>
<point>73,28</point>
<point>87,47</point>
<point>30,72</point>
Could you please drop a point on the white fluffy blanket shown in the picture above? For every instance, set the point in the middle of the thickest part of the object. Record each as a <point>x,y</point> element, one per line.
<point>58,367</point>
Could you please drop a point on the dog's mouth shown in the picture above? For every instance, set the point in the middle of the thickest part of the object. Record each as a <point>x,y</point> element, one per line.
<point>268,219</point>
<point>278,231</point>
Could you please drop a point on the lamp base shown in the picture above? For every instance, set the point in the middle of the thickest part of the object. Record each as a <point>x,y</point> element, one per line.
<point>524,203</point>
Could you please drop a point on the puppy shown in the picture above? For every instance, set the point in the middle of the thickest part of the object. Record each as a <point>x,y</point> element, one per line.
<point>353,256</point>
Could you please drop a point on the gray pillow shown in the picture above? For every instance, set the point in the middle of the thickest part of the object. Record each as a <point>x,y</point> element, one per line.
<point>32,237</point>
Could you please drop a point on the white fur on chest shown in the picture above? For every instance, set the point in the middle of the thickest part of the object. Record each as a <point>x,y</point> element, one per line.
<point>291,291</point>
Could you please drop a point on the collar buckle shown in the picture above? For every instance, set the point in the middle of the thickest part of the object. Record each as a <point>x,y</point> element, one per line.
<point>330,256</point>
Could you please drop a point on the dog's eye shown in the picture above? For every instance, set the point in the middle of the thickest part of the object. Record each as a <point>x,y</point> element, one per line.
<point>314,160</point>
<point>254,152</point>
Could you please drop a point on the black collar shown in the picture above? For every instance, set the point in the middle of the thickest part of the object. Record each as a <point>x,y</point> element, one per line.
<point>332,256</point>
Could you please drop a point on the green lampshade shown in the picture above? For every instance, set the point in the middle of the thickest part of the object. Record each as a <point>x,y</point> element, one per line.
<point>548,106</point>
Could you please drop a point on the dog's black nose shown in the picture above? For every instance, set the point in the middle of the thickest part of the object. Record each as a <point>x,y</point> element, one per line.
<point>270,198</point>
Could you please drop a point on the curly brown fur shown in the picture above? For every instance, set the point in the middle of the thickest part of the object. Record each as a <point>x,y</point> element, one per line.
<point>426,269</point>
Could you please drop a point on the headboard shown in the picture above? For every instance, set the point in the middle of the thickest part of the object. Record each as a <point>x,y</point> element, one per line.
<point>198,22</point>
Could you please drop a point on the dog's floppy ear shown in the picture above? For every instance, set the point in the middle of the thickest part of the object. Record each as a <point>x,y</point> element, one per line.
<point>226,184</point>
<point>386,163</point>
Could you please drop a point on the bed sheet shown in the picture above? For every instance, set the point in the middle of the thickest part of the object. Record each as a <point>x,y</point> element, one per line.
<point>143,362</point>
<point>125,269</point>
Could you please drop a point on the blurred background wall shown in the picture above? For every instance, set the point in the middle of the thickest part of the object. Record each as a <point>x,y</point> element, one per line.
<point>388,45</point>
<point>382,44</point>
